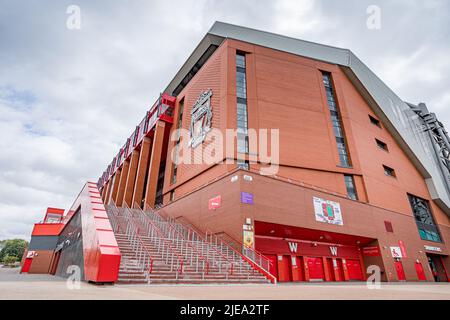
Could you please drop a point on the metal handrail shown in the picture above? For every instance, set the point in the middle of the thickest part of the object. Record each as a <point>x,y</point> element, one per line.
<point>187,232</point>
<point>161,238</point>
<point>144,257</point>
<point>239,254</point>
<point>245,249</point>
<point>191,230</point>
<point>159,230</point>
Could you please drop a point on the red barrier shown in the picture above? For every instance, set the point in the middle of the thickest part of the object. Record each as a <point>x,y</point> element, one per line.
<point>100,250</point>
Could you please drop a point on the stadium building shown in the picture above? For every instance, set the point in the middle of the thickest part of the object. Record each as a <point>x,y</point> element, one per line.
<point>330,177</point>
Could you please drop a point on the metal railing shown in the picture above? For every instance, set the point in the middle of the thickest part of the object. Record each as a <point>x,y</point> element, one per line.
<point>178,232</point>
<point>164,248</point>
<point>192,256</point>
<point>219,252</point>
<point>142,258</point>
<point>254,256</point>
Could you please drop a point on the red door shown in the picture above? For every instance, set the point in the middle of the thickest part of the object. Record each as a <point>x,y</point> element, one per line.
<point>400,271</point>
<point>27,264</point>
<point>297,269</point>
<point>330,266</point>
<point>315,267</point>
<point>273,265</point>
<point>420,272</point>
<point>284,268</point>
<point>354,270</point>
<point>340,270</point>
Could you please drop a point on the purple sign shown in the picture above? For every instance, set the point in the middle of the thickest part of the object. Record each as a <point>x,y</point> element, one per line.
<point>246,198</point>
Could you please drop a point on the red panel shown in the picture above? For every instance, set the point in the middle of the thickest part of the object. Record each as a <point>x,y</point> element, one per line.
<point>297,269</point>
<point>273,265</point>
<point>100,250</point>
<point>339,271</point>
<point>400,271</point>
<point>330,268</point>
<point>47,229</point>
<point>315,267</point>
<point>284,269</point>
<point>26,265</point>
<point>291,232</point>
<point>354,270</point>
<point>281,246</point>
<point>102,224</point>
<point>420,272</point>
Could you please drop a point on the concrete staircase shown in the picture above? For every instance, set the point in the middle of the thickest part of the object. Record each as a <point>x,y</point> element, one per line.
<point>159,251</point>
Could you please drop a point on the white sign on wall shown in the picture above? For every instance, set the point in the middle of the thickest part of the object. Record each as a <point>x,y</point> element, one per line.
<point>396,252</point>
<point>328,211</point>
<point>435,249</point>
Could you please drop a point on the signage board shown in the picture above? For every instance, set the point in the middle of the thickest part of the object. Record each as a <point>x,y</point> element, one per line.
<point>327,211</point>
<point>201,119</point>
<point>402,248</point>
<point>371,251</point>
<point>214,203</point>
<point>249,238</point>
<point>431,248</point>
<point>246,198</point>
<point>396,252</point>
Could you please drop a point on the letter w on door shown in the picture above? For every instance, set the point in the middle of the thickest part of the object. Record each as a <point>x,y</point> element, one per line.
<point>333,251</point>
<point>293,246</point>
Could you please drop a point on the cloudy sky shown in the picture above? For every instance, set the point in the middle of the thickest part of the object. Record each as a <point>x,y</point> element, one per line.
<point>70,98</point>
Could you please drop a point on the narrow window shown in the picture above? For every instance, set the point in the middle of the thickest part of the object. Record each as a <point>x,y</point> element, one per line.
<point>375,121</point>
<point>351,189</point>
<point>241,94</point>
<point>382,145</point>
<point>177,142</point>
<point>336,120</point>
<point>389,171</point>
<point>388,226</point>
<point>172,195</point>
<point>424,219</point>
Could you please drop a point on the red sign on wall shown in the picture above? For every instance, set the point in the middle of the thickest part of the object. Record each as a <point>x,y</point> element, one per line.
<point>214,203</point>
<point>371,251</point>
<point>402,248</point>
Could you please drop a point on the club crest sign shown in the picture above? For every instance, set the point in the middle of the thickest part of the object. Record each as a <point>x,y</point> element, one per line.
<point>327,211</point>
<point>201,116</point>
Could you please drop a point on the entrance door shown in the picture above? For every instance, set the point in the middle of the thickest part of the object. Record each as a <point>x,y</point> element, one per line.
<point>26,265</point>
<point>297,269</point>
<point>315,267</point>
<point>420,272</point>
<point>284,268</point>
<point>400,271</point>
<point>55,262</point>
<point>330,267</point>
<point>273,268</point>
<point>437,268</point>
<point>354,270</point>
<point>340,270</point>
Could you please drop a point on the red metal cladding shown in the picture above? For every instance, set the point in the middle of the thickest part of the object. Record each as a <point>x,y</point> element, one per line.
<point>47,229</point>
<point>100,250</point>
<point>162,109</point>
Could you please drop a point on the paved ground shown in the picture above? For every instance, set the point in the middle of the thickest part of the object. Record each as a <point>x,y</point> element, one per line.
<point>22,286</point>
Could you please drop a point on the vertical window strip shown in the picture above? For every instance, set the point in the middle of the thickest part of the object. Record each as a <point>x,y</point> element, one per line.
<point>351,188</point>
<point>241,110</point>
<point>336,120</point>
<point>177,143</point>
